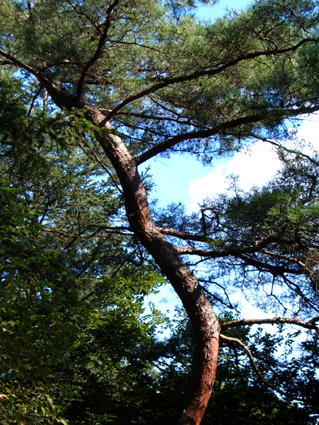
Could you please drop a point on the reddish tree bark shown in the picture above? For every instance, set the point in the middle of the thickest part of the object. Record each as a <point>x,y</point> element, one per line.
<point>205,324</point>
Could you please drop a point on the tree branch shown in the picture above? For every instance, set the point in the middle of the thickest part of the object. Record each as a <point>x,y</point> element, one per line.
<point>238,343</point>
<point>61,97</point>
<point>311,324</point>
<point>229,305</point>
<point>163,118</point>
<point>257,247</point>
<point>211,72</point>
<point>34,99</point>
<point>182,235</point>
<point>97,159</point>
<point>284,257</point>
<point>260,265</point>
<point>15,61</point>
<point>296,288</point>
<point>99,51</point>
<point>221,128</point>
<point>79,12</point>
<point>278,145</point>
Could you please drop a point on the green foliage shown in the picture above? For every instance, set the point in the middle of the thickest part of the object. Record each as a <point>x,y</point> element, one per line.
<point>76,346</point>
<point>72,323</point>
<point>61,346</point>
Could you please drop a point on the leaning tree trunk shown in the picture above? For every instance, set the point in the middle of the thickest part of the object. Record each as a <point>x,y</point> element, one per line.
<point>198,308</point>
<point>205,324</point>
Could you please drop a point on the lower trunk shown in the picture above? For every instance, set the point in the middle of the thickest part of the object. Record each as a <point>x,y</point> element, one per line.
<point>204,322</point>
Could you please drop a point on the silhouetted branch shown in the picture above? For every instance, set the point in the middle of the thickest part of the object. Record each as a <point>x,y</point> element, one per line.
<point>274,321</point>
<point>99,51</point>
<point>238,343</point>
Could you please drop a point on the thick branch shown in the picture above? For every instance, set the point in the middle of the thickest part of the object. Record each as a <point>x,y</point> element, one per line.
<point>61,97</point>
<point>274,321</point>
<point>221,128</point>
<point>210,72</point>
<point>182,235</point>
<point>15,61</point>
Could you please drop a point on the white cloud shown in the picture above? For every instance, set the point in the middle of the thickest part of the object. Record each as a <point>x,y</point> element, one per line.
<point>309,130</point>
<point>253,167</point>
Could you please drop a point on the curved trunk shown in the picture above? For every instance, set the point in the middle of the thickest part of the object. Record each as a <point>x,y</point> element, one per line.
<point>205,324</point>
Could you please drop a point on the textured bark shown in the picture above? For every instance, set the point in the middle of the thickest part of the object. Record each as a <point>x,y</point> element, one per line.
<point>204,322</point>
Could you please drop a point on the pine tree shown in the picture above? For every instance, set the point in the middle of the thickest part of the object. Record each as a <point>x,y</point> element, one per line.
<point>140,79</point>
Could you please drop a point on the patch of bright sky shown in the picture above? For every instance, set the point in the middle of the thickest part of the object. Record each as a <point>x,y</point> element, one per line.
<point>172,177</point>
<point>254,166</point>
<point>220,8</point>
<point>184,179</point>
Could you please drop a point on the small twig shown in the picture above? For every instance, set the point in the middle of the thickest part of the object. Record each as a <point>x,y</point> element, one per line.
<point>238,343</point>
<point>34,99</point>
<point>100,162</point>
<point>229,305</point>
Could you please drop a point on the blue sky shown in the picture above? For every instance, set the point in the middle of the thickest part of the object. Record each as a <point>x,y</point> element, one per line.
<point>173,177</point>
<point>221,7</point>
<point>184,179</point>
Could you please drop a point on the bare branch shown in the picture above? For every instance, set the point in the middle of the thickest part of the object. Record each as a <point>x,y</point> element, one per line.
<point>79,12</point>
<point>256,247</point>
<point>34,99</point>
<point>296,288</point>
<point>284,257</point>
<point>238,343</point>
<point>221,128</point>
<point>260,265</point>
<point>181,235</point>
<point>314,320</point>
<point>99,50</point>
<point>15,61</point>
<point>229,305</point>
<point>97,159</point>
<point>279,145</point>
<point>274,321</point>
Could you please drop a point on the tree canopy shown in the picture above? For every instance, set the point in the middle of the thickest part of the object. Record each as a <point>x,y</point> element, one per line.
<point>91,90</point>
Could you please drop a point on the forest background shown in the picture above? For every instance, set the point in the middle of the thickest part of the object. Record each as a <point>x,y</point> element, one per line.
<point>89,92</point>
